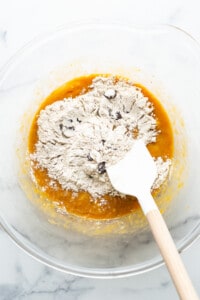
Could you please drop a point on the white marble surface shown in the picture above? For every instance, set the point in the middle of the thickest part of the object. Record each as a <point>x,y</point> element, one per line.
<point>21,277</point>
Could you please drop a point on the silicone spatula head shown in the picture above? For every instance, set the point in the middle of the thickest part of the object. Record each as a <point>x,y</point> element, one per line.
<point>135,173</point>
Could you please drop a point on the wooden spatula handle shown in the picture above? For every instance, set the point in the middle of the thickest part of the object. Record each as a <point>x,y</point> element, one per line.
<point>171,256</point>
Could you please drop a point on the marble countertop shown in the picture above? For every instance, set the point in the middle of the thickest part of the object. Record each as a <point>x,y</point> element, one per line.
<point>21,277</point>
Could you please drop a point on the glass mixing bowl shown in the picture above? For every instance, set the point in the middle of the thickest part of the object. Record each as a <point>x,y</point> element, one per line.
<point>164,59</point>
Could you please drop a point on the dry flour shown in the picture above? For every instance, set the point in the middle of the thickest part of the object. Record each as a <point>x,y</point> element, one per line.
<point>78,138</point>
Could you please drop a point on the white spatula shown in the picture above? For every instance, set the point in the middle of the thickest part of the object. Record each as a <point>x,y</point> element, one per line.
<point>134,175</point>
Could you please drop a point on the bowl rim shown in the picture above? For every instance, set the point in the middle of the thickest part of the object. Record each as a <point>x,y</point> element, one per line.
<point>136,269</point>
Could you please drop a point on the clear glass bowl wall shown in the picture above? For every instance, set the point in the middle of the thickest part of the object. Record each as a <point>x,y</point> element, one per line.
<point>164,59</point>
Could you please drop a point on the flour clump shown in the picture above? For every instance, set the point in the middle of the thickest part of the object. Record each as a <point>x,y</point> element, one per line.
<point>79,137</point>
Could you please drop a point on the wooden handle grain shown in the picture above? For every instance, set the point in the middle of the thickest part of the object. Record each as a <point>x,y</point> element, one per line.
<point>171,256</point>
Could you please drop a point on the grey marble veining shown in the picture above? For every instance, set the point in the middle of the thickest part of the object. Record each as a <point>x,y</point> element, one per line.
<point>24,278</point>
<point>31,280</point>
<point>3,36</point>
<point>21,277</point>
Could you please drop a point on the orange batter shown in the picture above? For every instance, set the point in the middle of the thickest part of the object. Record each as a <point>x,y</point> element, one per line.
<point>82,204</point>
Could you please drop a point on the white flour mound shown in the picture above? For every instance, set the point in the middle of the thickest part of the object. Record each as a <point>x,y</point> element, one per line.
<point>79,137</point>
